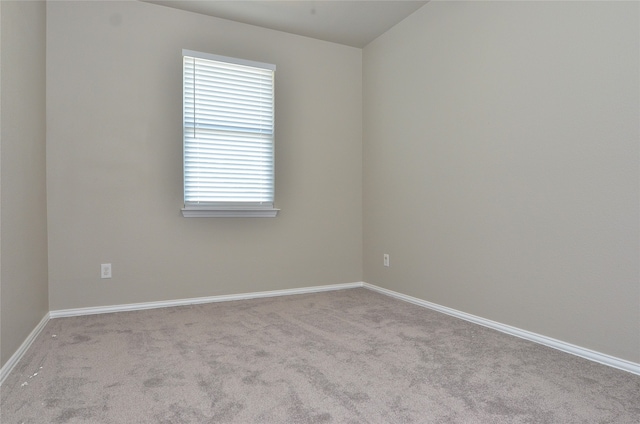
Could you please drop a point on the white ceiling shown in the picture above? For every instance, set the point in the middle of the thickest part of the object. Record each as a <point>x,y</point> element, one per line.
<point>351,22</point>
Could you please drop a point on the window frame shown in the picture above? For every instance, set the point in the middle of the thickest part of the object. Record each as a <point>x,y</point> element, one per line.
<point>203,209</point>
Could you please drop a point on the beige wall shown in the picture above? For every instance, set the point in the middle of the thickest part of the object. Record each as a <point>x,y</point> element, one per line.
<point>114,167</point>
<point>23,264</point>
<point>501,165</point>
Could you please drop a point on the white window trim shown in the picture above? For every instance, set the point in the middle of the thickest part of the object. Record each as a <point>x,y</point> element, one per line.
<point>229,210</point>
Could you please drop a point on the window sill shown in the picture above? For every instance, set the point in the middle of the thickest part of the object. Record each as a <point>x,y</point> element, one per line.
<point>230,212</point>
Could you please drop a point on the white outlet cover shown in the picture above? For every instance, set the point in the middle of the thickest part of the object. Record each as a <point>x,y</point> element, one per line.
<point>105,271</point>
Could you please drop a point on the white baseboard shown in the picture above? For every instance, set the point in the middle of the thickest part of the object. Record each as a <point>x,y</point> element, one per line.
<point>198,300</point>
<point>15,358</point>
<point>601,358</point>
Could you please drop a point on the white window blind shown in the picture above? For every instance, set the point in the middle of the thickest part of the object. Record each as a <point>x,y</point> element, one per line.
<point>228,116</point>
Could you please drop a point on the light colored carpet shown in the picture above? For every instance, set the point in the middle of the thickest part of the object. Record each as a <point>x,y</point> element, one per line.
<point>350,356</point>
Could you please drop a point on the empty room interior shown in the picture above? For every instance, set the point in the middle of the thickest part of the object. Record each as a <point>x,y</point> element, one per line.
<point>458,234</point>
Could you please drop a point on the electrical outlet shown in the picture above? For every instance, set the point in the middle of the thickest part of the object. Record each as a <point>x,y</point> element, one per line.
<point>105,271</point>
<point>385,259</point>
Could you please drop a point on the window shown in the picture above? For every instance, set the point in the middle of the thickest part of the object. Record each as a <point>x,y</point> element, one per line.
<point>228,122</point>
